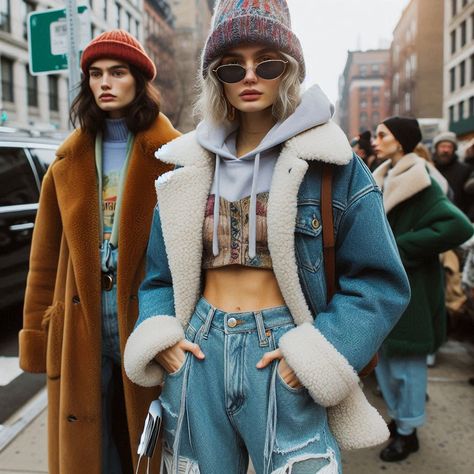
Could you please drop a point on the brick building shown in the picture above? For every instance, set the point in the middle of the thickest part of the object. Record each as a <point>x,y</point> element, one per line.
<point>417,61</point>
<point>364,91</point>
<point>159,35</point>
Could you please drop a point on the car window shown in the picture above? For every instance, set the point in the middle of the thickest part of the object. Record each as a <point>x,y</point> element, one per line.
<point>17,182</point>
<point>43,156</point>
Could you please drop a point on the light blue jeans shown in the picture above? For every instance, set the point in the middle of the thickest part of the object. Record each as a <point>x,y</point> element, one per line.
<point>111,359</point>
<point>218,411</point>
<point>403,381</point>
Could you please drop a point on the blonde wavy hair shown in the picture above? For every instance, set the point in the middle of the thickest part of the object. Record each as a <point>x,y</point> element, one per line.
<point>212,105</point>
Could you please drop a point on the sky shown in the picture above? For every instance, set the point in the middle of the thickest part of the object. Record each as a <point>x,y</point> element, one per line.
<point>327,29</point>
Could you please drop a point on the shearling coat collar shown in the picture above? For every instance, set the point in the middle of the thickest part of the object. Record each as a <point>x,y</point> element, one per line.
<point>192,183</point>
<point>407,178</point>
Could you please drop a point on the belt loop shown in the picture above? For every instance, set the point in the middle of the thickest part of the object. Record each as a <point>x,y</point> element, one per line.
<point>262,338</point>
<point>208,322</point>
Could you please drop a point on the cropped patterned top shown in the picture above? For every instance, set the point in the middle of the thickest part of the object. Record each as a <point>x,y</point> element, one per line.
<point>233,233</point>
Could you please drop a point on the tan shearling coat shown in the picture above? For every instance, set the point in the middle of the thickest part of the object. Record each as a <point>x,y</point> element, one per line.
<point>61,334</point>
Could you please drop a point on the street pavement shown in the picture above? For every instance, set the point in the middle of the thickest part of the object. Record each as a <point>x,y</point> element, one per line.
<point>446,441</point>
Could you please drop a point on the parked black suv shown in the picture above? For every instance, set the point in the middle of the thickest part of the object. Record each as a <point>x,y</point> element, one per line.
<point>23,162</point>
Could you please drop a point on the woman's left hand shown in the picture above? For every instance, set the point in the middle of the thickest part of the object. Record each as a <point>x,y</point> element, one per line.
<point>285,371</point>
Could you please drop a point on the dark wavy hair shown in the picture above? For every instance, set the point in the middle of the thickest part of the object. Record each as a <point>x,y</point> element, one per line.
<point>140,114</point>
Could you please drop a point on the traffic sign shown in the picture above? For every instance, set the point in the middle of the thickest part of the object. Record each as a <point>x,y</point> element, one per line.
<point>48,39</point>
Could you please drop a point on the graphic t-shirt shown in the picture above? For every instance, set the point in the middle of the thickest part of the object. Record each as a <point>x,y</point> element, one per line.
<point>113,158</point>
<point>111,169</point>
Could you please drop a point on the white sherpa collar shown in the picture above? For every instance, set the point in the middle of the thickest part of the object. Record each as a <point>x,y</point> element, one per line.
<point>325,142</point>
<point>407,178</point>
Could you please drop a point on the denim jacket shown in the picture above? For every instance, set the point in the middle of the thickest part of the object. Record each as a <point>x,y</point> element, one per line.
<point>330,342</point>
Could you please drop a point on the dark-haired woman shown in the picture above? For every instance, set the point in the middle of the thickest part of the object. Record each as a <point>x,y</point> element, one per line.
<point>87,260</point>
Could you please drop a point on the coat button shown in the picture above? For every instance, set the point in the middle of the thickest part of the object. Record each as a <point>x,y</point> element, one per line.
<point>71,418</point>
<point>134,297</point>
<point>76,299</point>
<point>232,322</point>
<point>315,224</point>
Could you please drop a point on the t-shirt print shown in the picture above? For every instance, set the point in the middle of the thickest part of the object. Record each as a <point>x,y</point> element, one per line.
<point>110,188</point>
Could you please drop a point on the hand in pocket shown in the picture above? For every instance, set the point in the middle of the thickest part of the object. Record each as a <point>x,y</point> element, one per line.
<point>286,372</point>
<point>172,359</point>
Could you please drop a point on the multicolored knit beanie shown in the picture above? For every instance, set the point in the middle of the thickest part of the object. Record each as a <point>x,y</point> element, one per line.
<point>118,44</point>
<point>251,21</point>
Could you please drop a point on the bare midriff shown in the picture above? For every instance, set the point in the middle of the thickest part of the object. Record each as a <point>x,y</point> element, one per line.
<point>235,288</point>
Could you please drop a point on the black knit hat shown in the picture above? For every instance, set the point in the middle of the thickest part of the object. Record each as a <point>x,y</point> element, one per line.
<point>406,130</point>
<point>364,142</point>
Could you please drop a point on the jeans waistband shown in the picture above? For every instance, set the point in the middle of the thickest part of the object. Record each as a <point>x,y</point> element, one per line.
<point>245,321</point>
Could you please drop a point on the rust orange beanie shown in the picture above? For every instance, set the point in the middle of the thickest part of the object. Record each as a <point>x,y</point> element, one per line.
<point>118,44</point>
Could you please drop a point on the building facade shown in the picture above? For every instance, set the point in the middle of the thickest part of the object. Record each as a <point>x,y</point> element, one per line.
<point>459,67</point>
<point>364,91</point>
<point>417,61</point>
<point>159,34</point>
<point>41,102</point>
<point>192,22</point>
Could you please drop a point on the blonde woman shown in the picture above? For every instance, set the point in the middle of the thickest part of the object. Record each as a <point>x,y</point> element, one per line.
<point>233,310</point>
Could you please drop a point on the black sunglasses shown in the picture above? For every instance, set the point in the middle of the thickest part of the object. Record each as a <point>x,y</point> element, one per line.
<point>232,73</point>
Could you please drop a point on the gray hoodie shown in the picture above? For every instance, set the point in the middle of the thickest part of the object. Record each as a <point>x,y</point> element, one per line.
<point>251,174</point>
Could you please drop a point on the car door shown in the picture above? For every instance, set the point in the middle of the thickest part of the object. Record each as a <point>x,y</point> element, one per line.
<point>19,194</point>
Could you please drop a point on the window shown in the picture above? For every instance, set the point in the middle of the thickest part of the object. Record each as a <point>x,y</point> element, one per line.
<point>375,118</point>
<point>375,89</point>
<point>453,41</point>
<point>451,113</point>
<point>462,73</point>
<point>7,79</point>
<point>452,79</point>
<point>363,70</point>
<point>32,89</point>
<point>363,103</point>
<point>17,181</point>
<point>375,101</point>
<point>5,16</point>
<point>28,7</point>
<point>53,87</point>
<point>454,7</point>
<point>129,22</point>
<point>472,26</point>
<point>463,33</point>
<point>407,101</point>
<point>472,67</point>
<point>461,110</point>
<point>471,106</point>
<point>362,90</point>
<point>137,28</point>
<point>105,9</point>
<point>118,14</point>
<point>363,120</point>
<point>375,68</point>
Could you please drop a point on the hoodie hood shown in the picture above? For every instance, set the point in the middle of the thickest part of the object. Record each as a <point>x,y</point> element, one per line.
<point>314,109</point>
<point>252,173</point>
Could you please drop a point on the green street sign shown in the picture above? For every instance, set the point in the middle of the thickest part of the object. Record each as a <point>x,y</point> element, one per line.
<point>48,39</point>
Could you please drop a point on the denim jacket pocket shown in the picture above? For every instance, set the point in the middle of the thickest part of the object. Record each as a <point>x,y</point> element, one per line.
<point>308,237</point>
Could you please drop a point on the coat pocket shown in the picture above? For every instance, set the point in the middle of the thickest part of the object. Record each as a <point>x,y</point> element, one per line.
<point>53,321</point>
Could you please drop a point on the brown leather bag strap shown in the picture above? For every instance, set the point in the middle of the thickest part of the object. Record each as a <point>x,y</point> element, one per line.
<point>329,254</point>
<point>329,251</point>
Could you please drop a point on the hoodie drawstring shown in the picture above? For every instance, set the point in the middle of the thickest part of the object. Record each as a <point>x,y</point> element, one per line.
<point>253,209</point>
<point>217,197</point>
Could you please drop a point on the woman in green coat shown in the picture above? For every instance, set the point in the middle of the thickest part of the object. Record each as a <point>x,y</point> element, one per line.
<point>425,223</point>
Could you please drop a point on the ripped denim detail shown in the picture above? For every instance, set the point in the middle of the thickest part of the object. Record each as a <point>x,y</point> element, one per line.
<point>184,465</point>
<point>298,447</point>
<point>307,463</point>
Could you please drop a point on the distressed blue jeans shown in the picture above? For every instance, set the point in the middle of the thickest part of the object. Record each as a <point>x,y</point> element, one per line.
<point>403,381</point>
<point>219,411</point>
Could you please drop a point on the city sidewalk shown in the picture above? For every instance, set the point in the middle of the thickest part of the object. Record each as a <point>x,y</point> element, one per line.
<point>446,441</point>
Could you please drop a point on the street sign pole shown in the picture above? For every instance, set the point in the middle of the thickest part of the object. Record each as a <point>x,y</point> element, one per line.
<point>73,49</point>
